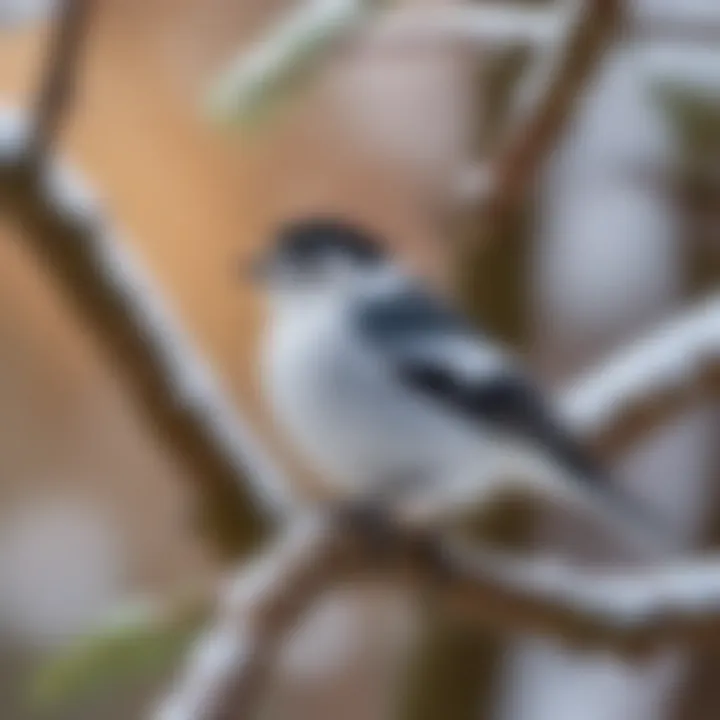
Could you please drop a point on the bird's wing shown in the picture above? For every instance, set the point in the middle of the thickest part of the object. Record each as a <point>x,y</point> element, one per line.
<point>434,351</point>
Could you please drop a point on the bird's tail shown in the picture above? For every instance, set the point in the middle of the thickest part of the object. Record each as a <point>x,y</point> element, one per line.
<point>613,511</point>
<point>636,527</point>
<point>590,489</point>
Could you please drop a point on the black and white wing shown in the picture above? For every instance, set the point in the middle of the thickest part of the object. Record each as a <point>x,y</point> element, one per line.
<point>433,350</point>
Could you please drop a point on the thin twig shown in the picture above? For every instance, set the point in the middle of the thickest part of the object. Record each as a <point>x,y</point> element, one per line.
<point>58,82</point>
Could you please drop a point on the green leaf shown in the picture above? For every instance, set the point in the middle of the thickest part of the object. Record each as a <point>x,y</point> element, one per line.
<point>277,67</point>
<point>141,642</point>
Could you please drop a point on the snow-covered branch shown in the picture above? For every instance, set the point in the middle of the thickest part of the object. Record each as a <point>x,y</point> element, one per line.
<point>487,25</point>
<point>643,384</point>
<point>631,613</point>
<point>238,482</point>
<point>492,25</point>
<point>110,289</point>
<point>546,104</point>
<point>259,75</point>
<point>231,664</point>
<point>57,83</point>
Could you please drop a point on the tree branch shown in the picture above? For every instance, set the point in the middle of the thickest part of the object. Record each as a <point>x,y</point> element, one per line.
<point>231,665</point>
<point>489,201</point>
<point>634,391</point>
<point>487,25</point>
<point>275,64</point>
<point>632,613</point>
<point>494,25</point>
<point>68,230</point>
<point>238,482</point>
<point>65,226</point>
<point>542,115</point>
<point>57,84</point>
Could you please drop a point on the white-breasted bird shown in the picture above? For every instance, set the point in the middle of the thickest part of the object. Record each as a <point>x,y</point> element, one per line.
<point>383,388</point>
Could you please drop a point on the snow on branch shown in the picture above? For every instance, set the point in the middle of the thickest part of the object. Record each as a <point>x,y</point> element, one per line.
<point>632,613</point>
<point>237,480</point>
<point>56,91</point>
<point>488,25</point>
<point>493,25</point>
<point>546,104</point>
<point>494,188</point>
<point>110,289</point>
<point>229,669</point>
<point>257,77</point>
<point>643,384</point>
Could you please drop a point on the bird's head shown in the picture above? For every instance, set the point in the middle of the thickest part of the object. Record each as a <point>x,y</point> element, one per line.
<point>316,256</point>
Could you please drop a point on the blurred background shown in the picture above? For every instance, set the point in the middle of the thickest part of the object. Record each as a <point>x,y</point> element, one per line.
<point>622,230</point>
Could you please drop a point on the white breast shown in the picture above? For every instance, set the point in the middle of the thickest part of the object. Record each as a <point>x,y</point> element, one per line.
<point>340,406</point>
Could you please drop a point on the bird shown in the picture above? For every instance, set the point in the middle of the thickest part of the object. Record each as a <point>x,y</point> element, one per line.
<point>385,389</point>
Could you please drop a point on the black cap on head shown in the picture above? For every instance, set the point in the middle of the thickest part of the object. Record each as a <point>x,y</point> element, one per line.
<point>314,238</point>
